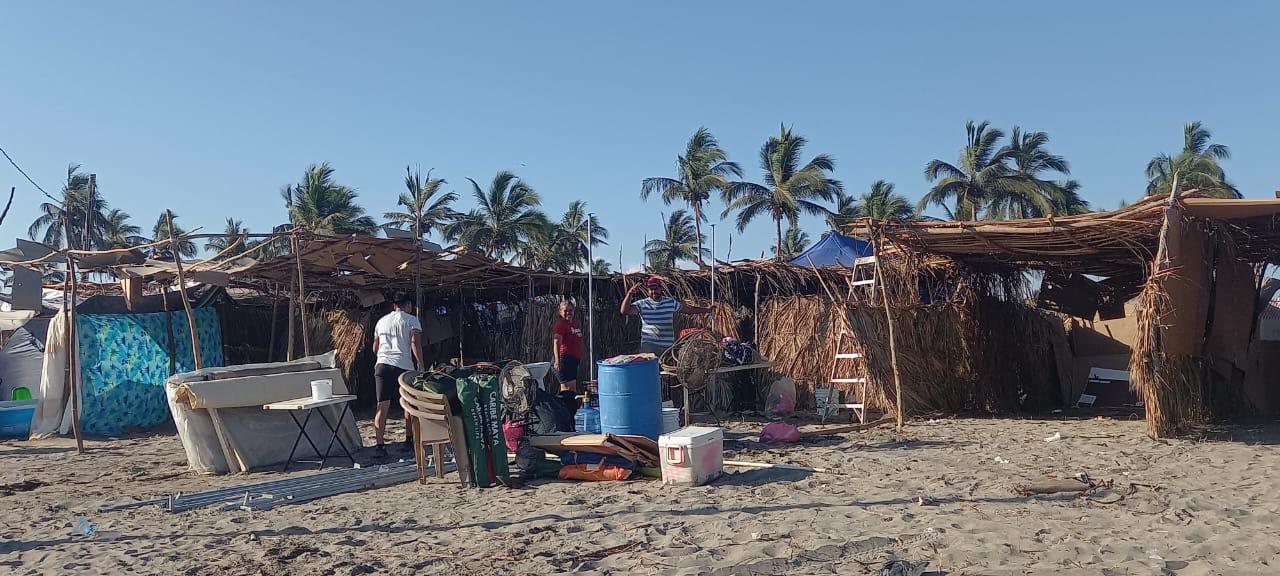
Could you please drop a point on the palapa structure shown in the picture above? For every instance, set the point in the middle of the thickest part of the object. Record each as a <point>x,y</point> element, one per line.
<point>976,308</point>
<point>1196,265</point>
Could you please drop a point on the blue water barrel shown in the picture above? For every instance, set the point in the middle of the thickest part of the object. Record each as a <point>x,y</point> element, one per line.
<point>630,398</point>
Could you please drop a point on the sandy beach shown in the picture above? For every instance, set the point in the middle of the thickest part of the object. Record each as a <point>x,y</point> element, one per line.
<point>1176,507</point>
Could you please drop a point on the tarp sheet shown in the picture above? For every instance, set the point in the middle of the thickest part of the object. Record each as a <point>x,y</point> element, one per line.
<point>22,358</point>
<point>124,361</point>
<point>833,250</point>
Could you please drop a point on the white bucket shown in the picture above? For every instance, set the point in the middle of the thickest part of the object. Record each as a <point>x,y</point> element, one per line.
<point>321,389</point>
<point>670,420</point>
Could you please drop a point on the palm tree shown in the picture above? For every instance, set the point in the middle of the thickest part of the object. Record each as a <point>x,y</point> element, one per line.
<point>882,203</point>
<point>425,212</point>
<point>702,169</point>
<point>982,175</point>
<point>789,188</point>
<point>160,232</point>
<point>793,243</point>
<point>679,243</point>
<point>601,267</point>
<point>572,231</point>
<point>234,231</point>
<point>508,216</point>
<point>846,210</point>
<point>48,228</point>
<point>562,246</point>
<point>544,248</point>
<point>321,206</point>
<point>1067,200</point>
<point>118,232</point>
<point>1197,166</point>
<point>1032,192</point>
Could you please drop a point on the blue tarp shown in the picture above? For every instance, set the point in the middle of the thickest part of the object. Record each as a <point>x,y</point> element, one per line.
<point>834,250</point>
<point>124,361</point>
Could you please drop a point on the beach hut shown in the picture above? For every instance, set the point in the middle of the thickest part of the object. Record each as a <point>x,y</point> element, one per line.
<point>1189,267</point>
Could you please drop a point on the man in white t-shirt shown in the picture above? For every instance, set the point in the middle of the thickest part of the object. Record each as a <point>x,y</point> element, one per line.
<point>396,341</point>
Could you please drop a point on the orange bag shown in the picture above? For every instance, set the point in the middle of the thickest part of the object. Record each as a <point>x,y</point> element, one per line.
<point>593,472</point>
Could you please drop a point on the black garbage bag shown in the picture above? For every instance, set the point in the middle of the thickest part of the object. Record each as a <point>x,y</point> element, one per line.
<point>550,415</point>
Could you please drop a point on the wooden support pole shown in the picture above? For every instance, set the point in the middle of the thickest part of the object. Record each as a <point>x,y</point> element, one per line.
<point>755,313</point>
<point>417,266</point>
<point>528,326</point>
<point>293,313</point>
<point>182,291</point>
<point>275,308</point>
<point>461,326</point>
<point>893,345</point>
<point>302,297</point>
<point>168,325</point>
<point>73,345</point>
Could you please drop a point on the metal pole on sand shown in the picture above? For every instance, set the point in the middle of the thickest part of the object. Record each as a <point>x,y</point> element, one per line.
<point>591,325</point>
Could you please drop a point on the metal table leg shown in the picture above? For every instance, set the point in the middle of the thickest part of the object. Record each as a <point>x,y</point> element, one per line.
<point>302,433</point>
<point>334,437</point>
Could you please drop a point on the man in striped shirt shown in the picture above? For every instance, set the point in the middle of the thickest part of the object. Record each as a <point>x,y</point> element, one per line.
<point>657,315</point>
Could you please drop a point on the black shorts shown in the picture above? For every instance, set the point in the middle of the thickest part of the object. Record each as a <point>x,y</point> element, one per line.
<point>386,380</point>
<point>568,368</point>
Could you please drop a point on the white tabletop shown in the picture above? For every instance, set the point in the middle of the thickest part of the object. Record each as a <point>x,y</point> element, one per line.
<point>307,403</point>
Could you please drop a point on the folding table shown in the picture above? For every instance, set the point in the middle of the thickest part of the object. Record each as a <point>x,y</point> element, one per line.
<point>310,405</point>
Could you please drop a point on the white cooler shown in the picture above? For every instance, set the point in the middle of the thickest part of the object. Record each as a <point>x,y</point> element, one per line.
<point>692,456</point>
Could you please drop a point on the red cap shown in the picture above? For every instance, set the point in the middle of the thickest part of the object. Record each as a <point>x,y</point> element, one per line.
<point>653,281</point>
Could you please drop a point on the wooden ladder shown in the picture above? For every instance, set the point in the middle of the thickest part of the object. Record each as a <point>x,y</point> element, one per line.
<point>862,276</point>
<point>854,374</point>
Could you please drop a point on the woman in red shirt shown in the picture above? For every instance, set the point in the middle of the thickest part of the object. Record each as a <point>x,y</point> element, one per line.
<point>566,347</point>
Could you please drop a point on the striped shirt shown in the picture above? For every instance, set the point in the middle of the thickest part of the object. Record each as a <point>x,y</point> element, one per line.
<point>657,320</point>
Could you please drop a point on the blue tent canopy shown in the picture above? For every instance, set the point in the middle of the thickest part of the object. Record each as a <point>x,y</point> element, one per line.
<point>834,250</point>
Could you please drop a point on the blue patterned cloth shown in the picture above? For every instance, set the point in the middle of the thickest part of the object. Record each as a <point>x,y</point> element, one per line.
<point>124,361</point>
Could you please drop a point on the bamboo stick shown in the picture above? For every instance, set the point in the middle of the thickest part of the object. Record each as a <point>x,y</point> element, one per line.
<point>743,464</point>
<point>73,345</point>
<point>275,306</point>
<point>293,314</point>
<point>302,297</point>
<point>182,291</point>
<point>755,312</point>
<point>893,345</point>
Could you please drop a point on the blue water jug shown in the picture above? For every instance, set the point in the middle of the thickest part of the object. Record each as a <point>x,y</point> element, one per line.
<point>587,419</point>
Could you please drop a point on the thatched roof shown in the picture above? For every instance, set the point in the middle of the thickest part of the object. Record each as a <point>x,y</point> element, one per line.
<point>366,263</point>
<point>1102,243</point>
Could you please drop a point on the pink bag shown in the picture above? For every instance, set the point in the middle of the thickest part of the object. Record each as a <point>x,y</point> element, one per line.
<point>779,433</point>
<point>512,432</point>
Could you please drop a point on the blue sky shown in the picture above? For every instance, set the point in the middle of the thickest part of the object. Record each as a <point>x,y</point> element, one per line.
<point>209,108</point>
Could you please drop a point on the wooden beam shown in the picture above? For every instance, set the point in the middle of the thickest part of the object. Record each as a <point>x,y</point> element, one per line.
<point>182,290</point>
<point>302,297</point>
<point>893,345</point>
<point>275,307</point>
<point>73,360</point>
<point>235,464</point>
<point>293,313</point>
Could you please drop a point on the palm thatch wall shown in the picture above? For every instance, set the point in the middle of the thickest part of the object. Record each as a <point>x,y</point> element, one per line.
<point>951,361</point>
